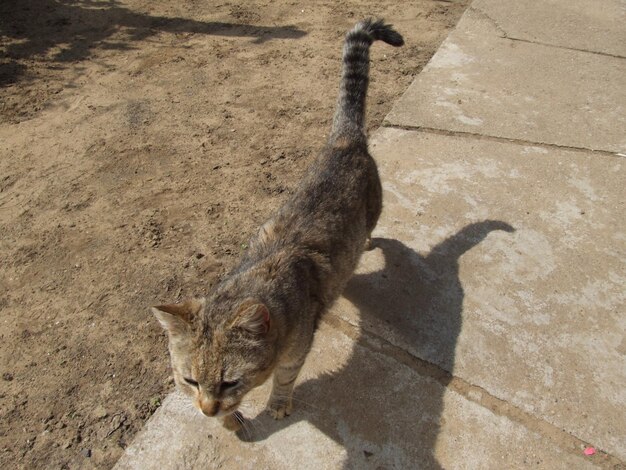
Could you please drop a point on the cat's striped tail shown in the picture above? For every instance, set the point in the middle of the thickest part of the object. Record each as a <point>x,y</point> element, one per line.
<point>349,120</point>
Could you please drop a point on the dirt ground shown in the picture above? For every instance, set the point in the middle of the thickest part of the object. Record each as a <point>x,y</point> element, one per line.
<point>141,143</point>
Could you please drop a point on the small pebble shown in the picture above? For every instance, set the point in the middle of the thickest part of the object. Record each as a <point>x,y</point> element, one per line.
<point>99,412</point>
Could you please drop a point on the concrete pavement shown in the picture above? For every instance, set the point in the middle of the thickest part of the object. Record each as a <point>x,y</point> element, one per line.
<point>483,83</point>
<point>486,330</point>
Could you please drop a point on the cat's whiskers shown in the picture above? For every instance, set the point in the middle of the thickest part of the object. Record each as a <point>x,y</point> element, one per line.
<point>243,426</point>
<point>255,423</point>
<point>256,408</point>
<point>252,406</point>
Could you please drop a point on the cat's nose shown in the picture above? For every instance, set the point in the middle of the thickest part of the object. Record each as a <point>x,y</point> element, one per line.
<point>208,407</point>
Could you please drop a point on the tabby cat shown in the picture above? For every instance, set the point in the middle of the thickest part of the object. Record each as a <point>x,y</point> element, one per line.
<point>261,319</point>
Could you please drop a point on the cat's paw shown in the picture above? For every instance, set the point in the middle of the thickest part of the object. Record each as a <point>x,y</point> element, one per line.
<point>233,422</point>
<point>280,409</point>
<point>370,244</point>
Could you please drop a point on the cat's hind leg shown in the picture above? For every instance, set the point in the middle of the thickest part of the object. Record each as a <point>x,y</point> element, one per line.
<point>374,205</point>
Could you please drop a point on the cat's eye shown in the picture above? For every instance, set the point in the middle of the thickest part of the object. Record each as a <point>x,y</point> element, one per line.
<point>191,382</point>
<point>229,385</point>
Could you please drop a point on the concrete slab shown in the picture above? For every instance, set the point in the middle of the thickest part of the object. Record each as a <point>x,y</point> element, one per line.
<point>480,83</point>
<point>575,24</point>
<point>534,316</point>
<point>356,407</point>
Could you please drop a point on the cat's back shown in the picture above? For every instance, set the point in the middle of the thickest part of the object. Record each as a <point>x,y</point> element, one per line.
<point>327,213</point>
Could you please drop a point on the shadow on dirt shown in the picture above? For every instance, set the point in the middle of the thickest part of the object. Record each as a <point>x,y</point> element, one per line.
<point>420,299</point>
<point>60,31</point>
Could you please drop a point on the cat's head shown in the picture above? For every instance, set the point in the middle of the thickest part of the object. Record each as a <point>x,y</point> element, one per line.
<point>219,352</point>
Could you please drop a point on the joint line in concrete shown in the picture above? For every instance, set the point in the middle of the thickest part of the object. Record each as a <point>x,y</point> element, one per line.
<point>433,130</point>
<point>563,439</point>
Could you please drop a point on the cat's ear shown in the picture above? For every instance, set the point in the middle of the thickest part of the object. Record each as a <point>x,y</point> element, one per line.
<point>254,318</point>
<point>177,318</point>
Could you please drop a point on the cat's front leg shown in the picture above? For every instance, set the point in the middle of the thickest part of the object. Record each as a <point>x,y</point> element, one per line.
<point>233,422</point>
<point>284,379</point>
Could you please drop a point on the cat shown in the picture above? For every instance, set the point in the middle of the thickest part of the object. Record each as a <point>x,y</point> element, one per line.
<point>262,318</point>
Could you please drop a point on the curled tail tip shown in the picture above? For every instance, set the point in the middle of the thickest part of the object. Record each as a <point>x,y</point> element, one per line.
<point>377,30</point>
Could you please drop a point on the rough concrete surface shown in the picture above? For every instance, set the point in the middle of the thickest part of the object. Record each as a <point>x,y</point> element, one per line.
<point>578,24</point>
<point>504,264</point>
<point>481,83</point>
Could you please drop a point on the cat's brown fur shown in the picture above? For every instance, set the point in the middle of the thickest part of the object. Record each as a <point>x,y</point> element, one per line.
<point>262,318</point>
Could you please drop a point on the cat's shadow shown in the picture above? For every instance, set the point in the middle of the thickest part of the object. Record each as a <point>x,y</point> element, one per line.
<point>368,406</point>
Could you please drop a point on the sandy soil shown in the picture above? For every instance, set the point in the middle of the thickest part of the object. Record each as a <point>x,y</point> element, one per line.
<point>141,142</point>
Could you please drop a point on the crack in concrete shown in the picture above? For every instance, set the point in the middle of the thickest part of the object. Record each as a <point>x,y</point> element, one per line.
<point>606,54</point>
<point>446,132</point>
<point>565,440</point>
<point>504,35</point>
<point>494,23</point>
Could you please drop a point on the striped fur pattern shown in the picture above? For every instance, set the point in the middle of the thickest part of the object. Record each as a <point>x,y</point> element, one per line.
<point>262,318</point>
<point>349,117</point>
